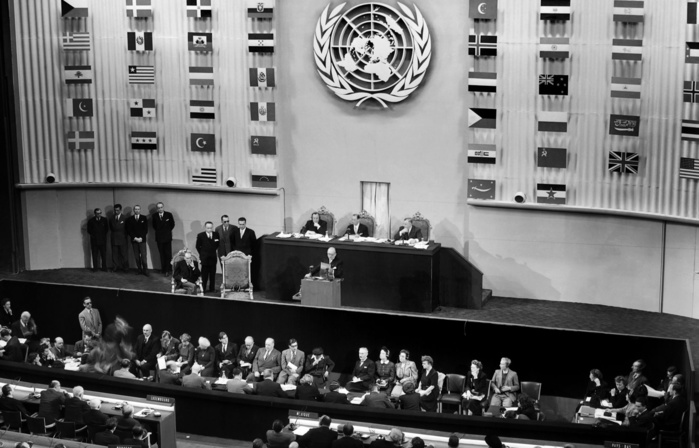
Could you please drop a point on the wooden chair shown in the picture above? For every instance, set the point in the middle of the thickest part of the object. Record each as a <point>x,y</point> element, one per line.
<point>67,431</point>
<point>329,218</point>
<point>423,224</point>
<point>179,256</point>
<point>455,385</point>
<point>369,221</point>
<point>237,274</point>
<point>12,421</point>
<point>37,427</point>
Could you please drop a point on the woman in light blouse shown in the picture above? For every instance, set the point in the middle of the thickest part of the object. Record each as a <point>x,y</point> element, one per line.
<point>385,370</point>
<point>406,370</point>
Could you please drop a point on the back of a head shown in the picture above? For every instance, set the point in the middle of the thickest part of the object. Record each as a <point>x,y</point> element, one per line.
<point>325,421</point>
<point>125,363</point>
<point>127,410</point>
<point>453,441</point>
<point>95,403</point>
<point>396,436</point>
<point>348,429</point>
<point>258,443</point>
<point>22,445</point>
<point>267,374</point>
<point>78,391</point>
<point>138,431</point>
<point>277,426</point>
<point>493,441</point>
<point>417,442</point>
<point>6,390</point>
<point>111,423</point>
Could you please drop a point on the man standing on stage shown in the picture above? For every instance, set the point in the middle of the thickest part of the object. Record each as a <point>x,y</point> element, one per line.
<point>207,246</point>
<point>97,228</point>
<point>89,319</point>
<point>137,229</point>
<point>117,227</point>
<point>163,223</point>
<point>225,236</point>
<point>243,238</point>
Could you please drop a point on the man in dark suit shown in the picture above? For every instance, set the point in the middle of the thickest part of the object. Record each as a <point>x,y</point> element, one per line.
<point>10,403</point>
<point>347,440</point>
<point>107,437</point>
<point>137,230</point>
<point>225,236</point>
<point>246,355</point>
<point>207,246</point>
<point>94,417</point>
<point>13,350</point>
<point>50,403</point>
<point>642,417</point>
<point>267,357</point>
<point>226,355</point>
<point>407,231</point>
<point>194,379</point>
<point>163,222</point>
<point>669,416</point>
<point>336,265</point>
<point>168,376</point>
<point>59,349</point>
<point>97,228</point>
<point>363,373</point>
<point>267,387</point>
<point>145,351</point>
<point>356,227</point>
<point>76,407</point>
<point>244,238</point>
<point>320,437</point>
<point>186,274</point>
<point>315,224</point>
<point>334,396</point>
<point>377,399</point>
<point>120,242</point>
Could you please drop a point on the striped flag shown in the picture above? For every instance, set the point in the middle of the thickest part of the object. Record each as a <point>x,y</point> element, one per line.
<point>142,107</point>
<point>78,74</point>
<point>628,11</point>
<point>691,92</point>
<point>202,109</point>
<point>204,176</point>
<point>623,162</point>
<point>550,193</point>
<point>260,9</point>
<point>262,112</point>
<point>691,53</point>
<point>262,77</point>
<point>139,41</point>
<point>481,153</point>
<point>74,8</point>
<point>263,145</point>
<point>141,74</point>
<point>203,142</point>
<point>552,121</point>
<point>689,168</point>
<point>199,9</point>
<point>690,130</point>
<point>261,42</point>
<point>555,10</point>
<point>139,8</point>
<point>482,118</point>
<point>554,47</point>
<point>144,140</point>
<point>81,139</point>
<point>482,82</point>
<point>201,76</point>
<point>482,45</point>
<point>76,42</point>
<point>79,107</point>
<point>264,181</point>
<point>627,49</point>
<point>626,88</point>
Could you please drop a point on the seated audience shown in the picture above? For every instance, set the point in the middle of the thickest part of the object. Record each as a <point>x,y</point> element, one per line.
<point>363,373</point>
<point>279,436</point>
<point>376,399</point>
<point>406,370</point>
<point>266,358</point>
<point>85,345</point>
<point>385,371</point>
<point>641,417</point>
<point>319,366</point>
<point>505,384</point>
<point>139,436</point>
<point>428,387</point>
<point>226,355</point>
<point>194,379</point>
<point>13,350</point>
<point>476,390</point>
<point>267,387</point>
<point>246,355</point>
<point>34,359</point>
<point>237,385</point>
<point>619,394</point>
<point>292,363</point>
<point>306,390</point>
<point>409,401</point>
<point>394,439</point>
<point>334,396</point>
<point>125,370</point>
<point>9,403</point>
<point>146,351</point>
<point>525,408</point>
<point>50,403</point>
<point>26,328</point>
<point>94,417</point>
<point>417,442</point>
<point>169,347</point>
<point>75,407</point>
<point>205,356</point>
<point>596,390</point>
<point>320,437</point>
<point>185,358</point>
<point>347,440</point>
<point>107,437</point>
<point>126,422</point>
<point>59,349</point>
<point>169,375</point>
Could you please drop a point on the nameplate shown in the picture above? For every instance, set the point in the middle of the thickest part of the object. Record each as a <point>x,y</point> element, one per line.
<point>123,446</point>
<point>608,444</point>
<point>302,414</point>
<point>159,399</point>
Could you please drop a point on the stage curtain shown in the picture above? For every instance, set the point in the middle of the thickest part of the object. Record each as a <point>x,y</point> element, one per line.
<point>375,202</point>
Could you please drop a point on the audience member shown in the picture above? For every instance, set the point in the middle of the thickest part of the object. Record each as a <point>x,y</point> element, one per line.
<point>347,440</point>
<point>75,407</point>
<point>279,436</point>
<point>409,401</point>
<point>417,442</point>
<point>394,439</point>
<point>363,373</point>
<point>453,441</point>
<point>126,422</point>
<point>205,356</point>
<point>169,347</point>
<point>385,371</point>
<point>406,371</point>
<point>13,350</point>
<point>618,396</point>
<point>504,383</point>
<point>319,366</point>
<point>292,363</point>
<point>6,316</point>
<point>266,358</point>
<point>429,385</point>
<point>139,436</point>
<point>145,352</point>
<point>50,403</point>
<point>226,355</point>
<point>671,371</point>
<point>169,374</point>
<point>237,385</point>
<point>59,350</point>
<point>525,408</point>
<point>334,396</point>
<point>9,403</point>
<point>596,390</point>
<point>306,390</point>
<point>83,346</point>
<point>668,416</point>
<point>476,390</point>
<point>125,370</point>
<point>186,354</point>
<point>376,399</point>
<point>258,443</point>
<point>107,437</point>
<point>89,319</point>
<point>641,417</point>
<point>267,387</point>
<point>194,380</point>
<point>320,437</point>
<point>246,355</point>
<point>187,274</point>
<point>94,417</point>
<point>26,328</point>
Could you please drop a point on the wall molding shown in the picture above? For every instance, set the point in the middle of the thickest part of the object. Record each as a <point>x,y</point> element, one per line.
<point>116,185</point>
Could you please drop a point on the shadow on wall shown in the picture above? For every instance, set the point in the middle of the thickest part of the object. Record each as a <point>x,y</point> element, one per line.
<point>195,228</point>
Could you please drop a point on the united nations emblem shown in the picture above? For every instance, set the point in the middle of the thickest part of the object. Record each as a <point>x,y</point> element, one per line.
<point>372,51</point>
<point>261,77</point>
<point>262,111</point>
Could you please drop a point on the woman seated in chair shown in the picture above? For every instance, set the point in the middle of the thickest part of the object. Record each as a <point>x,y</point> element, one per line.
<point>429,385</point>
<point>406,371</point>
<point>596,391</point>
<point>205,355</point>
<point>185,358</point>
<point>385,371</point>
<point>476,390</point>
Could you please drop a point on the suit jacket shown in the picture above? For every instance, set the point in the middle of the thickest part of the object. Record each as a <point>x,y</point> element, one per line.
<point>269,388</point>
<point>171,351</point>
<point>75,408</point>
<point>137,228</point>
<point>147,351</point>
<point>250,357</point>
<point>288,357</point>
<point>195,381</point>
<point>414,233</point>
<point>95,417</point>
<point>12,404</point>
<point>231,353</point>
<point>182,270</point>
<point>280,439</point>
<point>97,229</point>
<point>59,353</point>
<point>235,386</point>
<point>163,227</point>
<point>410,402</point>
<point>337,264</point>
<point>321,437</point>
<point>324,365</point>
<point>347,442</point>
<point>273,361</point>
<point>643,420</point>
<point>90,321</point>
<point>14,350</point>
<point>365,371</point>
<point>106,438</point>
<point>117,227</point>
<point>308,392</point>
<point>167,377</point>
<point>361,231</point>
<point>207,248</point>
<point>310,226</point>
<point>244,243</point>
<point>377,400</point>
<point>6,319</point>
<point>511,380</point>
<point>633,383</point>
<point>50,405</point>
<point>225,239</point>
<point>335,397</point>
<point>670,415</point>
<point>17,330</point>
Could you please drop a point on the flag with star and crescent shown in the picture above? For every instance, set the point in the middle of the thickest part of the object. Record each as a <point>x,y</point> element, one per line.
<point>483,9</point>
<point>203,142</point>
<point>481,189</point>
<point>79,107</point>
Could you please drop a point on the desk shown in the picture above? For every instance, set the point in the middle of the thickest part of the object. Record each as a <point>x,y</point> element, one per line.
<point>326,293</point>
<point>376,275</point>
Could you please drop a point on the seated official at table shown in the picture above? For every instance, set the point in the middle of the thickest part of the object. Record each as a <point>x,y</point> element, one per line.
<point>409,401</point>
<point>168,375</point>
<point>194,380</point>
<point>376,399</point>
<point>279,436</point>
<point>306,390</point>
<point>50,403</point>
<point>335,263</point>
<point>186,274</point>
<point>618,395</point>
<point>267,387</point>
<point>315,224</point>
<point>95,417</point>
<point>320,437</point>
<point>357,228</point>
<point>668,416</point>
<point>76,407</point>
<point>125,370</point>
<point>334,396</point>
<point>237,385</point>
<point>13,349</point>
<point>347,440</point>
<point>59,349</point>
<point>407,231</point>
<point>107,437</point>
<point>642,417</point>
<point>596,391</point>
<point>363,373</point>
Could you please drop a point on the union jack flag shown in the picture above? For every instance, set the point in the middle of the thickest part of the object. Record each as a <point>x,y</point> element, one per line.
<point>623,162</point>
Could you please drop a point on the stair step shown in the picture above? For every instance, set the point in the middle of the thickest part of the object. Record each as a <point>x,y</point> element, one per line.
<point>487,295</point>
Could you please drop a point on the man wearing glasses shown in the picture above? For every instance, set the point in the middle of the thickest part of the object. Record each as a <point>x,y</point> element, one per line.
<point>90,319</point>
<point>292,363</point>
<point>97,228</point>
<point>225,233</point>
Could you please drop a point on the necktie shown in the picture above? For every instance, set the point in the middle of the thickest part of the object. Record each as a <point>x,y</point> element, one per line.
<point>266,353</point>
<point>161,216</point>
<point>209,235</point>
<point>118,217</point>
<point>224,348</point>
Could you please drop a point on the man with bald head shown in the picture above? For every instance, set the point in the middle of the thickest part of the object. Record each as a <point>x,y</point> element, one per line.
<point>145,352</point>
<point>336,265</point>
<point>75,407</point>
<point>267,357</point>
<point>363,373</point>
<point>59,348</point>
<point>246,355</point>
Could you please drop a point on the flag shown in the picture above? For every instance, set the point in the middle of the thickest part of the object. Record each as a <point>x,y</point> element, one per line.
<point>691,91</point>
<point>691,53</point>
<point>201,76</point>
<point>262,112</point>
<point>81,139</point>
<point>74,8</point>
<point>200,42</point>
<point>144,140</point>
<point>482,118</point>
<point>626,88</point>
<point>200,9</point>
<point>260,9</point>
<point>79,107</point>
<point>690,130</point>
<point>555,10</point>
<point>689,168</point>
<point>483,9</point>
<point>139,8</point>
<point>482,45</point>
<point>76,42</point>
<point>78,74</point>
<point>141,74</point>
<point>551,157</point>
<point>628,11</point>
<point>481,154</point>
<point>142,107</point>
<point>552,121</point>
<point>691,13</point>
<point>627,49</point>
<point>553,84</point>
<point>203,142</point>
<point>624,125</point>
<point>554,47</point>
<point>264,181</point>
<point>139,41</point>
<point>262,77</point>
<point>550,193</point>
<point>623,162</point>
<point>481,189</point>
<point>263,145</point>
<point>204,176</point>
<point>482,82</point>
<point>261,42</point>
<point>202,109</point>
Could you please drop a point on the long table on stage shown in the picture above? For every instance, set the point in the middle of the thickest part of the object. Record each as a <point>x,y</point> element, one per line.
<point>376,275</point>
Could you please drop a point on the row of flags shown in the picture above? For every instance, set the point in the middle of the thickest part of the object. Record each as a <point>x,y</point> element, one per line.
<point>143,9</point>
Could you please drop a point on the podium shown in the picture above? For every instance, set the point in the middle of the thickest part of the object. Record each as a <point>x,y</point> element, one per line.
<point>324,293</point>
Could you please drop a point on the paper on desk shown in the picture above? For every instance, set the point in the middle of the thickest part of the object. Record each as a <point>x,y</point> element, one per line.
<point>284,235</point>
<point>357,400</point>
<point>605,403</point>
<point>421,245</point>
<point>287,387</point>
<point>326,238</point>
<point>301,430</point>
<point>221,380</point>
<point>22,340</point>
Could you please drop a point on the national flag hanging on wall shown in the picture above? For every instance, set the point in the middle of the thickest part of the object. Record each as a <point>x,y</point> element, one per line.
<point>200,9</point>
<point>689,168</point>
<point>481,153</point>
<point>263,145</point>
<point>691,13</point>
<point>483,9</point>
<point>690,130</point>
<point>481,189</point>
<point>551,157</point>
<point>76,42</point>
<point>262,77</point>
<point>555,10</point>
<point>482,82</point>
<point>144,140</point>
<point>142,107</point>
<point>261,42</point>
<point>79,107</point>
<point>626,88</point>
<point>201,76</point>
<point>141,74</point>
<point>264,181</point>
<point>260,9</point>
<point>139,41</point>
<point>553,84</point>
<point>81,139</point>
<point>203,142</point>
<point>623,162</point>
<point>550,193</point>
<point>627,49</point>
<point>482,45</point>
<point>691,92</point>
<point>205,176</point>
<point>202,109</point>
<point>74,8</point>
<point>691,53</point>
<point>624,125</point>
<point>628,11</point>
<point>482,118</point>
<point>552,121</point>
<point>554,47</point>
<point>139,8</point>
<point>78,74</point>
<point>200,42</point>
<point>262,112</point>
